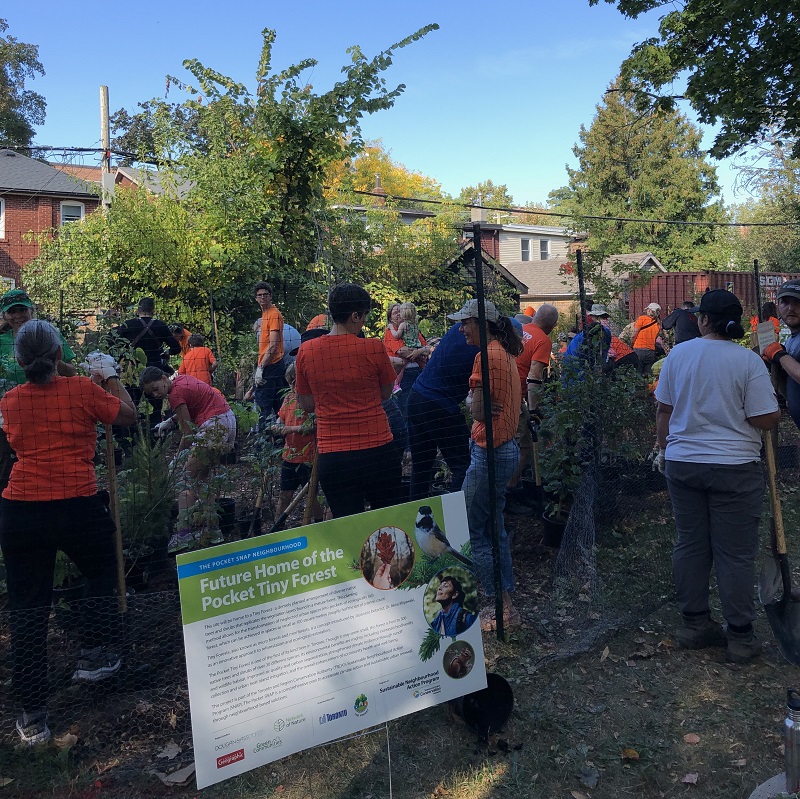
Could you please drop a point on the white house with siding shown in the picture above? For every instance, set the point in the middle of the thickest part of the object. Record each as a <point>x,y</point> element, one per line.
<point>522,243</point>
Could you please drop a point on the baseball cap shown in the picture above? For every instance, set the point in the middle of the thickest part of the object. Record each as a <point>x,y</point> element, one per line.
<point>15,297</point>
<point>654,306</point>
<point>789,288</point>
<point>720,302</point>
<point>599,310</point>
<point>470,311</point>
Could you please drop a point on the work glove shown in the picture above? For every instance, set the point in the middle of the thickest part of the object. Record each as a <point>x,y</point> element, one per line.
<point>659,462</point>
<point>100,365</point>
<point>258,378</point>
<point>164,428</point>
<point>774,352</point>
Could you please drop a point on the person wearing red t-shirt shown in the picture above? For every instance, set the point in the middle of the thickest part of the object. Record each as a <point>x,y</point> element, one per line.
<point>208,429</point>
<point>199,361</point>
<point>343,379</point>
<point>51,504</point>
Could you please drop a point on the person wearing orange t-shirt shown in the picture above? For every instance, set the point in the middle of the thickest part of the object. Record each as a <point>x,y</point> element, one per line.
<point>505,392</point>
<point>344,379</point>
<point>51,504</point>
<point>770,313</point>
<point>645,332</point>
<point>269,381</point>
<point>199,361</point>
<point>537,349</point>
<point>300,447</point>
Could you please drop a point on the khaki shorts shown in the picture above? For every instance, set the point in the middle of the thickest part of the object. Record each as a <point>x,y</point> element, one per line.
<point>523,436</point>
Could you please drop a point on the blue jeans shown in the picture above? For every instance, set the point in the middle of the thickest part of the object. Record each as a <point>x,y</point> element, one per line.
<point>476,491</point>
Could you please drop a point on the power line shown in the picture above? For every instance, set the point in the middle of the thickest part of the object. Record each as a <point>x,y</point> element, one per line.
<point>530,211</point>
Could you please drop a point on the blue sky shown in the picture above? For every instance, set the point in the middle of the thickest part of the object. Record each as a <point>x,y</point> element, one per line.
<point>499,92</point>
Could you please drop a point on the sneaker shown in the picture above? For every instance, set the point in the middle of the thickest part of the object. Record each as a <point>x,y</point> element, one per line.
<point>96,664</point>
<point>396,390</point>
<point>742,647</point>
<point>699,632</point>
<point>180,540</point>
<point>32,727</point>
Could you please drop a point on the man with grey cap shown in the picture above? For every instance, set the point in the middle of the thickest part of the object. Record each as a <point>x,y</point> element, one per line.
<point>788,357</point>
<point>645,332</point>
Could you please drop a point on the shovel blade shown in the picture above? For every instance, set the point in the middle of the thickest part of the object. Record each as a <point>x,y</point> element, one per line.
<point>784,618</point>
<point>770,582</point>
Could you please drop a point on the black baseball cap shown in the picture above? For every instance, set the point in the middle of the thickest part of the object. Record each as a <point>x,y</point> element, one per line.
<point>789,288</point>
<point>721,302</point>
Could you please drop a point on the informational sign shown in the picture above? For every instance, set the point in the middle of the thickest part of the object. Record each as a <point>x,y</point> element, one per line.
<point>765,331</point>
<point>298,638</point>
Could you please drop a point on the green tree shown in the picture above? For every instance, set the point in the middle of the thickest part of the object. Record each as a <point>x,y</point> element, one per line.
<point>643,167</point>
<point>20,108</point>
<point>773,173</point>
<point>486,193</point>
<point>742,59</point>
<point>358,174</point>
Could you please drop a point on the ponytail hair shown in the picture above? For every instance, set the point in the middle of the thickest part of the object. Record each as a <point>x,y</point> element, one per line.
<point>503,330</point>
<point>36,347</point>
<point>726,326</point>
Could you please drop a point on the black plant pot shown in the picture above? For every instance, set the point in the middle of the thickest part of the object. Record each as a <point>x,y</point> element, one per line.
<point>553,528</point>
<point>486,711</point>
<point>226,510</point>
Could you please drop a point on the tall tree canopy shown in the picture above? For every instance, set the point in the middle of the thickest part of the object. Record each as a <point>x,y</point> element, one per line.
<point>359,172</point>
<point>643,167</point>
<point>742,59</point>
<point>772,171</point>
<point>20,108</point>
<point>487,193</point>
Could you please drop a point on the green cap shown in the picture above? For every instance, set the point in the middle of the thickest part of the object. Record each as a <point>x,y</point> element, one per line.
<point>15,297</point>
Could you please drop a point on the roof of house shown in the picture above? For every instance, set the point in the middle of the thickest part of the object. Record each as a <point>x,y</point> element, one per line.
<point>556,277</point>
<point>467,251</point>
<point>644,261</point>
<point>155,182</point>
<point>20,174</point>
<point>90,174</point>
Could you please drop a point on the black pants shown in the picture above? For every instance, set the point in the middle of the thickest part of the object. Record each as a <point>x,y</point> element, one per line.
<point>350,478</point>
<point>269,395</point>
<point>431,426</point>
<point>30,535</point>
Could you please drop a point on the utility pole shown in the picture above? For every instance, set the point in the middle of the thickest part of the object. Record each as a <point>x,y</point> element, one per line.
<point>107,179</point>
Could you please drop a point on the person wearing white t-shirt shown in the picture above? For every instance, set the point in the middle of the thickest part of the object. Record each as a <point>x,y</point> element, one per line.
<point>714,398</point>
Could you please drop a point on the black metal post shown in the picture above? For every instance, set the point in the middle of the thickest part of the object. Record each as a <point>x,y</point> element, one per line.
<point>487,415</point>
<point>757,278</point>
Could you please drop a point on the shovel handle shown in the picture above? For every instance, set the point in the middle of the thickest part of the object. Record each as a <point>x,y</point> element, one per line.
<point>774,498</point>
<point>114,507</point>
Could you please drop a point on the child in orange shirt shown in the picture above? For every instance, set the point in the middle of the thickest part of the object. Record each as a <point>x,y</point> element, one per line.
<point>299,449</point>
<point>199,361</point>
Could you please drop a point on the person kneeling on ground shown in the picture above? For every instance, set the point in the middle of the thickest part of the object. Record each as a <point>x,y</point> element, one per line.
<point>195,403</point>
<point>51,504</point>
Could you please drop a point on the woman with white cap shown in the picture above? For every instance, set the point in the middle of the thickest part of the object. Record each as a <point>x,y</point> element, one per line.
<point>645,332</point>
<point>714,398</point>
<point>506,395</point>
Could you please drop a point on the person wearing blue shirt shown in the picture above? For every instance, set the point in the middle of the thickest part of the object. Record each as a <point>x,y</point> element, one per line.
<point>452,619</point>
<point>435,418</point>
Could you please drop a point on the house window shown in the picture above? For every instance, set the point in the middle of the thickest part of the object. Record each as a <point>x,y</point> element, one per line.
<point>526,249</point>
<point>2,219</point>
<point>544,249</point>
<point>72,212</point>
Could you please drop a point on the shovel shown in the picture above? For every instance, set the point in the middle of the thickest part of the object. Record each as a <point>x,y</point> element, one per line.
<point>783,612</point>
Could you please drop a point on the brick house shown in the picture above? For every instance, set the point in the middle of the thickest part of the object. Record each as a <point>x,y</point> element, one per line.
<point>34,198</point>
